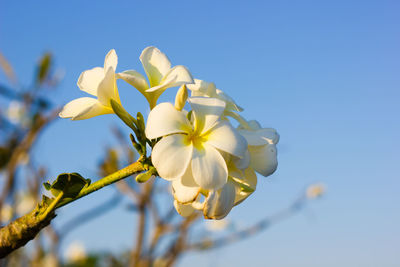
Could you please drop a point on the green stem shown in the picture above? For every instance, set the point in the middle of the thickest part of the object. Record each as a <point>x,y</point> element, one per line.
<point>52,206</point>
<point>134,168</point>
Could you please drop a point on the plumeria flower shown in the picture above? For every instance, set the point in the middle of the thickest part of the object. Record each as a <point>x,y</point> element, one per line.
<point>262,147</point>
<point>217,203</point>
<point>160,74</point>
<point>189,151</point>
<point>99,82</point>
<point>208,89</point>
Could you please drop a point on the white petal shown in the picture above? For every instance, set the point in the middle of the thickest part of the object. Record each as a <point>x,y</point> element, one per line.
<point>155,63</point>
<point>230,103</point>
<point>219,203</point>
<point>255,125</point>
<point>260,137</point>
<point>185,189</point>
<point>224,137</point>
<point>202,88</point>
<point>209,168</point>
<point>83,108</point>
<point>178,76</point>
<point>244,162</point>
<point>171,156</point>
<point>135,79</point>
<point>89,80</point>
<point>250,178</point>
<point>181,76</point>
<point>206,112</point>
<point>263,159</point>
<point>163,85</point>
<point>164,119</point>
<point>111,60</point>
<point>107,89</point>
<point>183,210</point>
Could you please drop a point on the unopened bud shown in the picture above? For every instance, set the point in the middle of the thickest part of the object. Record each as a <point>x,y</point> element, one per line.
<point>181,97</point>
<point>143,177</point>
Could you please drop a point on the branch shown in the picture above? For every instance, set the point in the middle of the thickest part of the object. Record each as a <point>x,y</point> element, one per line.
<point>250,231</point>
<point>20,231</point>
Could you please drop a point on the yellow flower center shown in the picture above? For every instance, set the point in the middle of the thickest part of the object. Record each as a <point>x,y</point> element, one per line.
<point>195,139</point>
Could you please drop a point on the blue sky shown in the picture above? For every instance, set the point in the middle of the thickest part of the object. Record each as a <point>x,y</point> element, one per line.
<point>325,74</point>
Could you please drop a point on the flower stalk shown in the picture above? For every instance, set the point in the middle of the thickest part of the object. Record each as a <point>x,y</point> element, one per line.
<point>22,230</point>
<point>129,170</point>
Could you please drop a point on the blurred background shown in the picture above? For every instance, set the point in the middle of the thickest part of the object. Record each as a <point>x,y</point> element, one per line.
<point>325,74</point>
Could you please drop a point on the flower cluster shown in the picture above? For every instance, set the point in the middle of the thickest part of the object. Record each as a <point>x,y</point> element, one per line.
<point>210,163</point>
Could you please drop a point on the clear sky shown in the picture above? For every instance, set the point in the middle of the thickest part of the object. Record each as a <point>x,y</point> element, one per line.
<point>325,74</point>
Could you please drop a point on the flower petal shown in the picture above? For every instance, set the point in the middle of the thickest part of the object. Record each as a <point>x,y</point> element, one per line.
<point>250,178</point>
<point>107,89</point>
<point>89,80</point>
<point>171,156</point>
<point>83,108</point>
<point>208,167</point>
<point>263,159</point>
<point>255,125</point>
<point>135,79</point>
<point>177,76</point>
<point>219,203</point>
<point>164,119</point>
<point>224,137</point>
<point>183,210</point>
<point>155,64</point>
<point>260,137</point>
<point>206,112</point>
<point>185,189</point>
<point>202,88</point>
<point>111,60</point>
<point>181,76</point>
<point>230,103</point>
<point>244,162</point>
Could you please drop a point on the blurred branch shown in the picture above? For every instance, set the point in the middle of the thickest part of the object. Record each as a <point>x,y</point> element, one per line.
<point>260,226</point>
<point>7,68</point>
<point>179,245</point>
<point>141,226</point>
<point>23,147</point>
<point>91,214</point>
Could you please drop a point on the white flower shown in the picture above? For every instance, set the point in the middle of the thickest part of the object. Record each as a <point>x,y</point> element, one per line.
<point>262,147</point>
<point>315,190</point>
<point>208,89</point>
<point>17,114</point>
<point>189,152</point>
<point>217,203</point>
<point>99,82</point>
<point>160,74</point>
<point>75,252</point>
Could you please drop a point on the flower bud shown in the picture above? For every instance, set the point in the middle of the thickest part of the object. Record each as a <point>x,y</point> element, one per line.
<point>181,97</point>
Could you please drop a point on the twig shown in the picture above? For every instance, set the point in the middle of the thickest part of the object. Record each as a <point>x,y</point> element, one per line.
<point>250,231</point>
